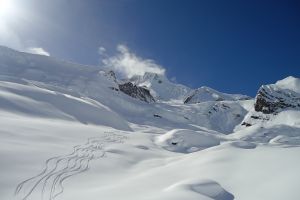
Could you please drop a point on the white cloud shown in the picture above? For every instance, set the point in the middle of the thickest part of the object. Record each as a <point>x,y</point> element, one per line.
<point>37,50</point>
<point>128,64</point>
<point>102,51</point>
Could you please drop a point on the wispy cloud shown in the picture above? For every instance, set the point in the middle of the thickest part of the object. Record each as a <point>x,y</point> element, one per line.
<point>129,64</point>
<point>37,50</point>
<point>102,50</point>
<point>11,39</point>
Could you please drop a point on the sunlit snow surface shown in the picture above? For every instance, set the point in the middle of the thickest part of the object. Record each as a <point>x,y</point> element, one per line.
<point>65,135</point>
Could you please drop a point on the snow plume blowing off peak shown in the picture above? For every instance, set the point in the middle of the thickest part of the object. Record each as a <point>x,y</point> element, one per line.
<point>128,64</point>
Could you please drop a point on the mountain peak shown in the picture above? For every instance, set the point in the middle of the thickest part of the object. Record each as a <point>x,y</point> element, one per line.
<point>160,86</point>
<point>148,77</point>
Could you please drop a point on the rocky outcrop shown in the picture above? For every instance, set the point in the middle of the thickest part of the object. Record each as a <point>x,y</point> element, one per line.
<point>271,99</point>
<point>137,92</point>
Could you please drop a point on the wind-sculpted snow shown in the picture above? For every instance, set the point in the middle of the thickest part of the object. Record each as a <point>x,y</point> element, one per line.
<point>187,141</point>
<point>205,188</point>
<point>49,183</point>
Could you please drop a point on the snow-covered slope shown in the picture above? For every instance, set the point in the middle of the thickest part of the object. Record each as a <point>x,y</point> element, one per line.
<point>69,133</point>
<point>28,99</point>
<point>187,141</point>
<point>203,94</point>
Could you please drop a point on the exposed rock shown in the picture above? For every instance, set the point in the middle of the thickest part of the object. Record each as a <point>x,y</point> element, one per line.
<point>219,107</point>
<point>271,99</point>
<point>113,88</point>
<point>246,124</point>
<point>157,116</point>
<point>188,99</point>
<point>137,92</point>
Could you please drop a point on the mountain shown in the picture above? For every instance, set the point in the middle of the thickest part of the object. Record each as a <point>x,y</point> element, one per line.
<point>203,94</point>
<point>163,89</point>
<point>72,132</point>
<point>127,99</point>
<point>160,87</point>
<point>274,99</point>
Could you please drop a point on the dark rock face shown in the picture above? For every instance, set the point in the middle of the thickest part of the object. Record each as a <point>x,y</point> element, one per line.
<point>157,116</point>
<point>137,92</point>
<point>188,99</point>
<point>273,101</point>
<point>246,124</point>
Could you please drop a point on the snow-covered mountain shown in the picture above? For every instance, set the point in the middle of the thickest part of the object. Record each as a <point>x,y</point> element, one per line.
<point>161,88</point>
<point>203,94</point>
<point>276,97</point>
<point>72,132</point>
<point>273,99</point>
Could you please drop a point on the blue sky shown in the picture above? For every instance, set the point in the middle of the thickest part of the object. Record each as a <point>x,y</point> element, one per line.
<point>231,46</point>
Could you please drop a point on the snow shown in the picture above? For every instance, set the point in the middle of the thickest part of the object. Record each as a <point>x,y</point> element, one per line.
<point>161,87</point>
<point>204,94</point>
<point>290,83</point>
<point>26,99</point>
<point>66,135</point>
<point>206,188</point>
<point>186,140</point>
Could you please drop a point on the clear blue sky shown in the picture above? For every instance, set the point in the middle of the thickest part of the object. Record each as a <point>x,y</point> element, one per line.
<point>232,46</point>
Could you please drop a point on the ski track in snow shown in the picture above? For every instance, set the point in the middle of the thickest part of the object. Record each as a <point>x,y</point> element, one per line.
<point>49,183</point>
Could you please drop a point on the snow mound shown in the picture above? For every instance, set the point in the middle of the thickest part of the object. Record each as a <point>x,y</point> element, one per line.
<point>270,134</point>
<point>286,140</point>
<point>207,188</point>
<point>186,141</point>
<point>243,144</point>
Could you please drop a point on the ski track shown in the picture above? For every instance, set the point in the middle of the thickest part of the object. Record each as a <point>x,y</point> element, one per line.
<point>49,182</point>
